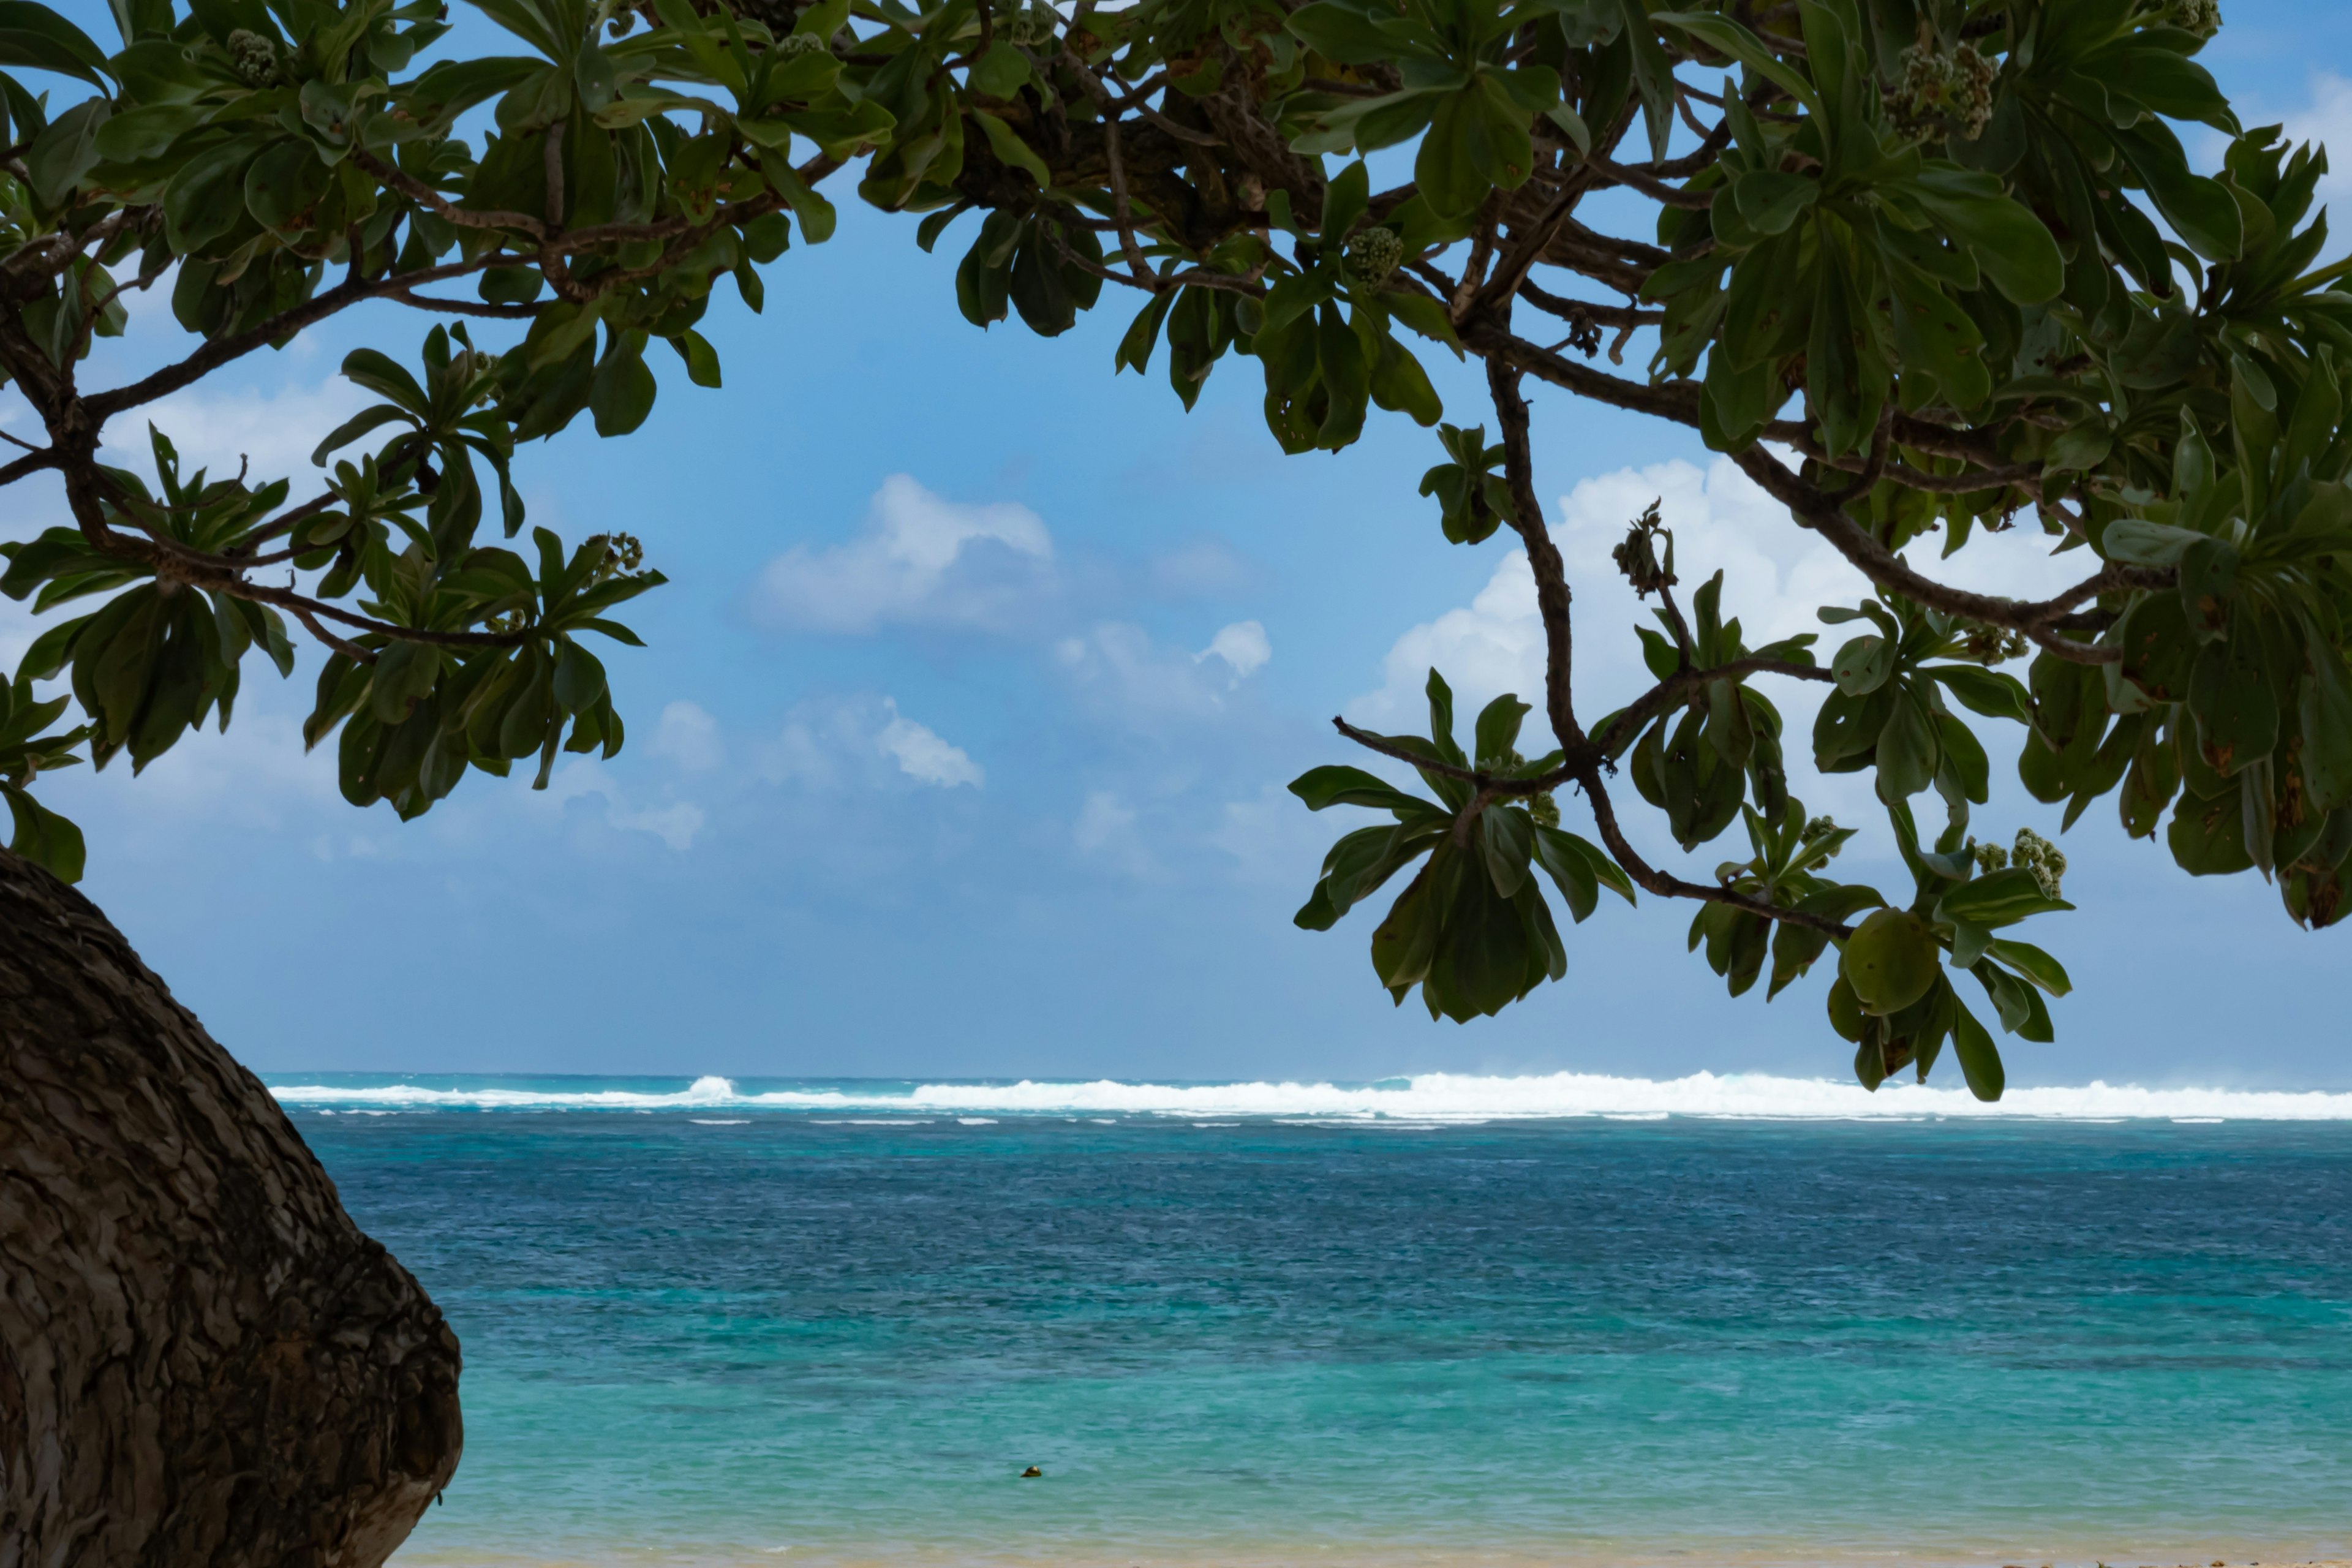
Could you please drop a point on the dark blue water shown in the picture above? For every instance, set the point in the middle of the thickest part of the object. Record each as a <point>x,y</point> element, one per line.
<point>708,1336</point>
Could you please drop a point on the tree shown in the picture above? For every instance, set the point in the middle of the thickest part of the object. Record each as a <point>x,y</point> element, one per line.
<point>1925,270</point>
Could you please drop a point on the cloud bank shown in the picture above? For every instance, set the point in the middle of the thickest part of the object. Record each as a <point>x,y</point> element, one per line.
<point>917,560</point>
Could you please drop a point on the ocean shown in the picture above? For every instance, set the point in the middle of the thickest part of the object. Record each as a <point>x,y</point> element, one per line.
<point>1432,1321</point>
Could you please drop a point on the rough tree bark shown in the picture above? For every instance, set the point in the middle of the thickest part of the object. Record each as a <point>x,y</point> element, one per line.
<point>202,1361</point>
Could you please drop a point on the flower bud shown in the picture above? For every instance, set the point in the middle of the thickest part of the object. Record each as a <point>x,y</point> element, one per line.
<point>1374,254</point>
<point>255,56</point>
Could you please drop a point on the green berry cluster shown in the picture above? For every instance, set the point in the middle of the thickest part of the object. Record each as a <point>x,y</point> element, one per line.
<point>1988,643</point>
<point>2202,17</point>
<point>1542,807</point>
<point>1032,26</point>
<point>2043,859</point>
<point>1374,254</point>
<point>623,553</point>
<point>255,56</point>
<point>1954,87</point>
<point>793,45</point>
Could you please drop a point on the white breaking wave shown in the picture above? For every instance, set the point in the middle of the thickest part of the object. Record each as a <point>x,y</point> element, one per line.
<point>1425,1098</point>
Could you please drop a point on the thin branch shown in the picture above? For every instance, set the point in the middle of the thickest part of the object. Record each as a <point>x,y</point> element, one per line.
<point>168,558</point>
<point>1685,644</point>
<point>1182,132</point>
<point>1635,716</point>
<point>1567,309</point>
<point>25,468</point>
<point>102,406</point>
<point>441,207</point>
<point>464,307</point>
<point>1122,208</point>
<point>1650,185</point>
<point>1880,440</point>
<point>1652,880</point>
<point>1552,597</point>
<point>1133,97</point>
<point>1389,747</point>
<point>343,646</point>
<point>1677,401</point>
<point>1813,509</point>
<point>284,524</point>
<point>1920,436</point>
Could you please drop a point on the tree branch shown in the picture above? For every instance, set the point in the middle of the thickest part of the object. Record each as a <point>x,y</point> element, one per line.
<point>1816,510</point>
<point>102,406</point>
<point>1657,190</point>
<point>1652,881</point>
<point>1631,718</point>
<point>1552,597</point>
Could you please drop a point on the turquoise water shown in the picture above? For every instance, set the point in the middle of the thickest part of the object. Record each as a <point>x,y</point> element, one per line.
<point>705,1326</point>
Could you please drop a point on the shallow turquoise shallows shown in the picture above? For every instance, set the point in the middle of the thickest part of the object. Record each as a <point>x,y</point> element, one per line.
<point>763,1323</point>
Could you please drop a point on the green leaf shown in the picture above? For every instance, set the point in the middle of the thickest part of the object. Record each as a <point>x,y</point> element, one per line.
<point>1327,786</point>
<point>1982,691</point>
<point>2010,244</point>
<point>33,34</point>
<point>1498,729</point>
<point>49,840</point>
<point>2208,836</point>
<point>1506,841</point>
<point>1007,143</point>
<point>1998,899</point>
<point>2325,710</point>
<point>623,393</point>
<point>1771,200</point>
<point>702,359</point>
<point>2139,543</point>
<point>1863,664</point>
<point>1979,1057</point>
<point>1907,751</point>
<point>1728,37</point>
<point>1441,719</point>
<point>2231,693</point>
<point>2033,964</point>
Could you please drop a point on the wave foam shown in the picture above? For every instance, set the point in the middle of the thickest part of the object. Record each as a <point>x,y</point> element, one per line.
<point>1425,1098</point>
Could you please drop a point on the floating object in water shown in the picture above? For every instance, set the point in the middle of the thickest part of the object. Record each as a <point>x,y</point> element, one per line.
<point>1031,1471</point>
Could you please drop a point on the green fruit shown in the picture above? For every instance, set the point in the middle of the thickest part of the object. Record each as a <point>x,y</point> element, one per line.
<point>1846,1010</point>
<point>1891,962</point>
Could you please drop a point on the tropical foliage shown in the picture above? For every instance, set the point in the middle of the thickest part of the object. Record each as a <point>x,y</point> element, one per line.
<point>1925,270</point>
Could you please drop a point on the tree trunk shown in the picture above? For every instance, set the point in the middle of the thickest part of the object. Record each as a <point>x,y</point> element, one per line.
<point>201,1359</point>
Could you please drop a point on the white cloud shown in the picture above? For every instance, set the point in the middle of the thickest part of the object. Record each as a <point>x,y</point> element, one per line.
<point>273,433</point>
<point>917,560</point>
<point>1204,568</point>
<point>690,737</point>
<point>675,823</point>
<point>1129,676</point>
<point>805,752</point>
<point>1274,839</point>
<point>923,756</point>
<point>1105,831</point>
<point>1244,647</point>
<point>1775,576</point>
<point>833,745</point>
<point>255,774</point>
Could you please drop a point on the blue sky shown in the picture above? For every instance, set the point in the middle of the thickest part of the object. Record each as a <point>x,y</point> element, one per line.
<point>960,744</point>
